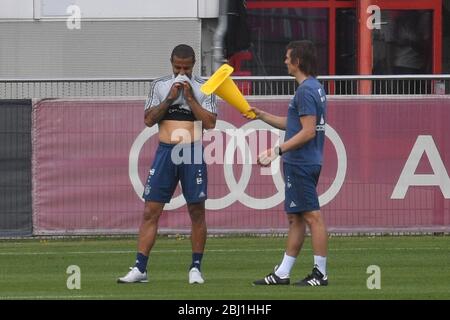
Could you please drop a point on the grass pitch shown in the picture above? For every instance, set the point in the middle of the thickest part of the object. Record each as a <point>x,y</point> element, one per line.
<point>412,267</point>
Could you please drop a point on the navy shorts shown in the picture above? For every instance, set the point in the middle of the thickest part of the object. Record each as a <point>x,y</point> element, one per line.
<point>301,187</point>
<point>188,167</point>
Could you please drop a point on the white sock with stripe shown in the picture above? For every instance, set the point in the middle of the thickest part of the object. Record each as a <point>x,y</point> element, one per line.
<point>284,270</point>
<point>321,264</point>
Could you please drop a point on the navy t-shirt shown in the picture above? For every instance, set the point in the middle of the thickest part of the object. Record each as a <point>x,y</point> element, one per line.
<point>309,99</point>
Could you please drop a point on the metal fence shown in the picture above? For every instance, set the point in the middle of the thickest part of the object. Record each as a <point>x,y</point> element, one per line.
<point>252,86</point>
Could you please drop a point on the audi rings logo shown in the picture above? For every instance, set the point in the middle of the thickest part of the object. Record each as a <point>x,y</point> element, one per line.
<point>237,188</point>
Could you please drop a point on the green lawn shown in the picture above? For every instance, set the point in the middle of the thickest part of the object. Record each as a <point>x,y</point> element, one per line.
<point>411,268</point>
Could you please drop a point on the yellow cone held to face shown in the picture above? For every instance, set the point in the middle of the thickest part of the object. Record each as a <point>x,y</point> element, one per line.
<point>221,84</point>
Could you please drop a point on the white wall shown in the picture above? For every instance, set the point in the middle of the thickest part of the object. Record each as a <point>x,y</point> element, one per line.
<point>16,9</point>
<point>208,8</point>
<point>104,9</point>
<point>134,8</point>
<point>111,47</point>
<point>100,49</point>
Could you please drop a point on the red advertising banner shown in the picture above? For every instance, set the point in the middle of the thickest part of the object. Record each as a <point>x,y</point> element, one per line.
<point>386,167</point>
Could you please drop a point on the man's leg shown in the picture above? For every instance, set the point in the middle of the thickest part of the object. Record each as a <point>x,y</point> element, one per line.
<point>319,239</point>
<point>198,229</point>
<point>319,236</point>
<point>297,224</point>
<point>294,243</point>
<point>198,240</point>
<point>147,235</point>
<point>296,234</point>
<point>148,229</point>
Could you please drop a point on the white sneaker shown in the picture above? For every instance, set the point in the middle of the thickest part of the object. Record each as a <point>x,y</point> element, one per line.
<point>195,276</point>
<point>133,276</point>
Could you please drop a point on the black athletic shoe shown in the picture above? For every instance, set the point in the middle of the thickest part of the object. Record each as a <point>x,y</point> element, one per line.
<point>316,278</point>
<point>272,279</point>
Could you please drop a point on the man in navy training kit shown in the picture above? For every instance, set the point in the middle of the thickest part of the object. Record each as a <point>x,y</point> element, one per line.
<point>302,153</point>
<point>175,102</point>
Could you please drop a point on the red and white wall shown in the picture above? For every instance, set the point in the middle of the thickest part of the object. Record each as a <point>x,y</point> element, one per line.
<point>387,164</point>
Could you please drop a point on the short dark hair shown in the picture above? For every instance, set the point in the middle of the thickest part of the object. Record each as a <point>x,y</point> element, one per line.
<point>304,51</point>
<point>183,51</point>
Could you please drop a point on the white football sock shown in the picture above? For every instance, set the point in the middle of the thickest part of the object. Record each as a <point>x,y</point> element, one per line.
<point>321,263</point>
<point>284,270</point>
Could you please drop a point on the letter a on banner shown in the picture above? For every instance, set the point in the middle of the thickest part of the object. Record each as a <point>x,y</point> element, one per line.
<point>424,144</point>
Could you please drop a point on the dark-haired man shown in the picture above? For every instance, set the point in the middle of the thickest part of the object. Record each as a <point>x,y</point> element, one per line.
<point>302,162</point>
<point>181,111</point>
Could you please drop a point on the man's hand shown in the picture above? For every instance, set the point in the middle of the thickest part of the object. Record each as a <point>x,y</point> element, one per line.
<point>266,157</point>
<point>173,94</point>
<point>187,91</point>
<point>256,111</point>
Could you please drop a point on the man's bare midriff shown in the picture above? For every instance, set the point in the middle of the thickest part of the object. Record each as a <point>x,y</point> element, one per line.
<point>173,131</point>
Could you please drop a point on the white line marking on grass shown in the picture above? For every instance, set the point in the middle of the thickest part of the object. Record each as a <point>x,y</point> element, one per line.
<point>188,251</point>
<point>63,253</point>
<point>92,296</point>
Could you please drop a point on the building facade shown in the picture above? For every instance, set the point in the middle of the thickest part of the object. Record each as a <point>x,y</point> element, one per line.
<point>53,39</point>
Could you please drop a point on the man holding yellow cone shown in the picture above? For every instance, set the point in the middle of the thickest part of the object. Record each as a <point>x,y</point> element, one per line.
<point>302,153</point>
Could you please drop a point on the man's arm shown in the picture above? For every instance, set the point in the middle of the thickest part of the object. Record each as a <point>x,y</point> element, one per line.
<point>154,114</point>
<point>307,133</point>
<point>306,101</point>
<point>274,121</point>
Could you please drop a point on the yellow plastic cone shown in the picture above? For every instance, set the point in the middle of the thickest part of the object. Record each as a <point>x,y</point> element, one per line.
<point>221,84</point>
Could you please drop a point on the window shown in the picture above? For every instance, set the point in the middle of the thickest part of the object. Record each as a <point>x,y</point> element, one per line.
<point>272,29</point>
<point>403,43</point>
